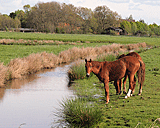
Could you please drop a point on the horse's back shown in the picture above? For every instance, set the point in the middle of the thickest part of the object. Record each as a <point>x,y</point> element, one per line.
<point>115,69</point>
<point>131,62</point>
<point>134,54</point>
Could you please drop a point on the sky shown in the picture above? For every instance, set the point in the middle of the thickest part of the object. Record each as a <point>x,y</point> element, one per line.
<point>148,10</point>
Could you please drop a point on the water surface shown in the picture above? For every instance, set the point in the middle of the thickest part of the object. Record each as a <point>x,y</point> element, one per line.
<point>30,103</point>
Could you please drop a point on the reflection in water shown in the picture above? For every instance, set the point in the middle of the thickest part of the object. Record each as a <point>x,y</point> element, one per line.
<point>2,92</point>
<point>30,103</point>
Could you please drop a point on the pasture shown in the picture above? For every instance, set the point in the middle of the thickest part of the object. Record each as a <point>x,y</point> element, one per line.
<point>80,37</point>
<point>136,111</point>
<point>21,49</point>
<point>142,110</point>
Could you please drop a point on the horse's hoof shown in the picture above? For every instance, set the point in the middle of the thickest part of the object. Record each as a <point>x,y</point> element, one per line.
<point>139,94</point>
<point>107,103</point>
<point>124,92</point>
<point>120,93</point>
<point>126,97</point>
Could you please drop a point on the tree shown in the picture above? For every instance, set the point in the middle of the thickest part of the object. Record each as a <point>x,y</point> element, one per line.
<point>27,8</point>
<point>142,26</point>
<point>88,19</point>
<point>70,18</point>
<point>133,28</point>
<point>130,17</point>
<point>45,16</point>
<point>105,18</point>
<point>21,15</point>
<point>126,26</point>
<point>7,22</point>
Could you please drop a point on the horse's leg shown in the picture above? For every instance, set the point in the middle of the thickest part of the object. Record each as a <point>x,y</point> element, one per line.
<point>120,86</point>
<point>142,78</point>
<point>124,84</point>
<point>131,79</point>
<point>117,86</point>
<point>134,84</point>
<point>106,86</point>
<point>140,89</point>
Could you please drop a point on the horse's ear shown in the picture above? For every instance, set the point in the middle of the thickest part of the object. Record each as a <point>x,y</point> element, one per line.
<point>86,60</point>
<point>90,60</point>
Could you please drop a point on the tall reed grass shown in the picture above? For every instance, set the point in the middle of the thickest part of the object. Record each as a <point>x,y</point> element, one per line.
<point>20,67</point>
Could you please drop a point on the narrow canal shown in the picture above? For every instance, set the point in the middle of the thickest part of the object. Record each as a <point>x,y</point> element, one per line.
<point>32,102</point>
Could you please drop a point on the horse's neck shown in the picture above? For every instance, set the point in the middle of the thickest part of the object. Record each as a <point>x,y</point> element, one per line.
<point>98,66</point>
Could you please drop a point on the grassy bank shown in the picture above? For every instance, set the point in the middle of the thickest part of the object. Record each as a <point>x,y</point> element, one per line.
<point>136,111</point>
<point>80,38</point>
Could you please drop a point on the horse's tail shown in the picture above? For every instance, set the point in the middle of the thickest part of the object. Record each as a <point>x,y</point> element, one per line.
<point>141,75</point>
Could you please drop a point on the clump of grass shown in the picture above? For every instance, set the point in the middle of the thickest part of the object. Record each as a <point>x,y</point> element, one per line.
<point>80,113</point>
<point>106,57</point>
<point>77,71</point>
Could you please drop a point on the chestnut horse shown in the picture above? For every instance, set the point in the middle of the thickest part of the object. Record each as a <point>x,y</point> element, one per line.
<point>114,71</point>
<point>134,54</point>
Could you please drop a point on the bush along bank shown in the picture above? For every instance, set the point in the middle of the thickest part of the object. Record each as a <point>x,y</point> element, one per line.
<point>20,67</point>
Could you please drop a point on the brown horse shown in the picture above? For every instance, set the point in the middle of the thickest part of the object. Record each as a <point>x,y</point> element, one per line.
<point>114,71</point>
<point>134,54</point>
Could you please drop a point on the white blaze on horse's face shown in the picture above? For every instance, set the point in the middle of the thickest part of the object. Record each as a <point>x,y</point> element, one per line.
<point>87,71</point>
<point>88,68</point>
<point>87,74</point>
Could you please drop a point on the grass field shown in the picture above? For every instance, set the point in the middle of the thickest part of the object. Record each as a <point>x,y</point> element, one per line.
<point>80,37</point>
<point>119,112</point>
<point>9,52</point>
<point>137,110</point>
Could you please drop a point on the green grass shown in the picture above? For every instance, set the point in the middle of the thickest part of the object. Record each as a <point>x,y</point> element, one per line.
<point>80,113</point>
<point>137,110</point>
<point>9,52</point>
<point>77,71</point>
<point>80,37</point>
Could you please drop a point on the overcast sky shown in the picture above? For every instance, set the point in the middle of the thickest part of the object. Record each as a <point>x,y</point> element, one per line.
<point>148,10</point>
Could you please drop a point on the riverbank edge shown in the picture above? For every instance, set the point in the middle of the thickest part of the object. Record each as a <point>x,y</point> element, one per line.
<point>20,67</point>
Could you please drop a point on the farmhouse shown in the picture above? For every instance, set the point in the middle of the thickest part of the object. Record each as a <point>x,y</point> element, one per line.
<point>116,30</point>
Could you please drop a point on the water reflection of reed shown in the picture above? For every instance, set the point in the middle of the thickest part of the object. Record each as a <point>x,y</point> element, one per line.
<point>19,83</point>
<point>2,92</point>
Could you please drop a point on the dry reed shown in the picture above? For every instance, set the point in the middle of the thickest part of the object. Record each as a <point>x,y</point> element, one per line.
<point>35,62</point>
<point>3,74</point>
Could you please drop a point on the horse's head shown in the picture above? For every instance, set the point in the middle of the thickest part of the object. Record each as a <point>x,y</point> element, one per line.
<point>88,67</point>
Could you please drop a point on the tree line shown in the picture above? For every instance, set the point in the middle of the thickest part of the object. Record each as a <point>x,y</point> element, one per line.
<point>57,17</point>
